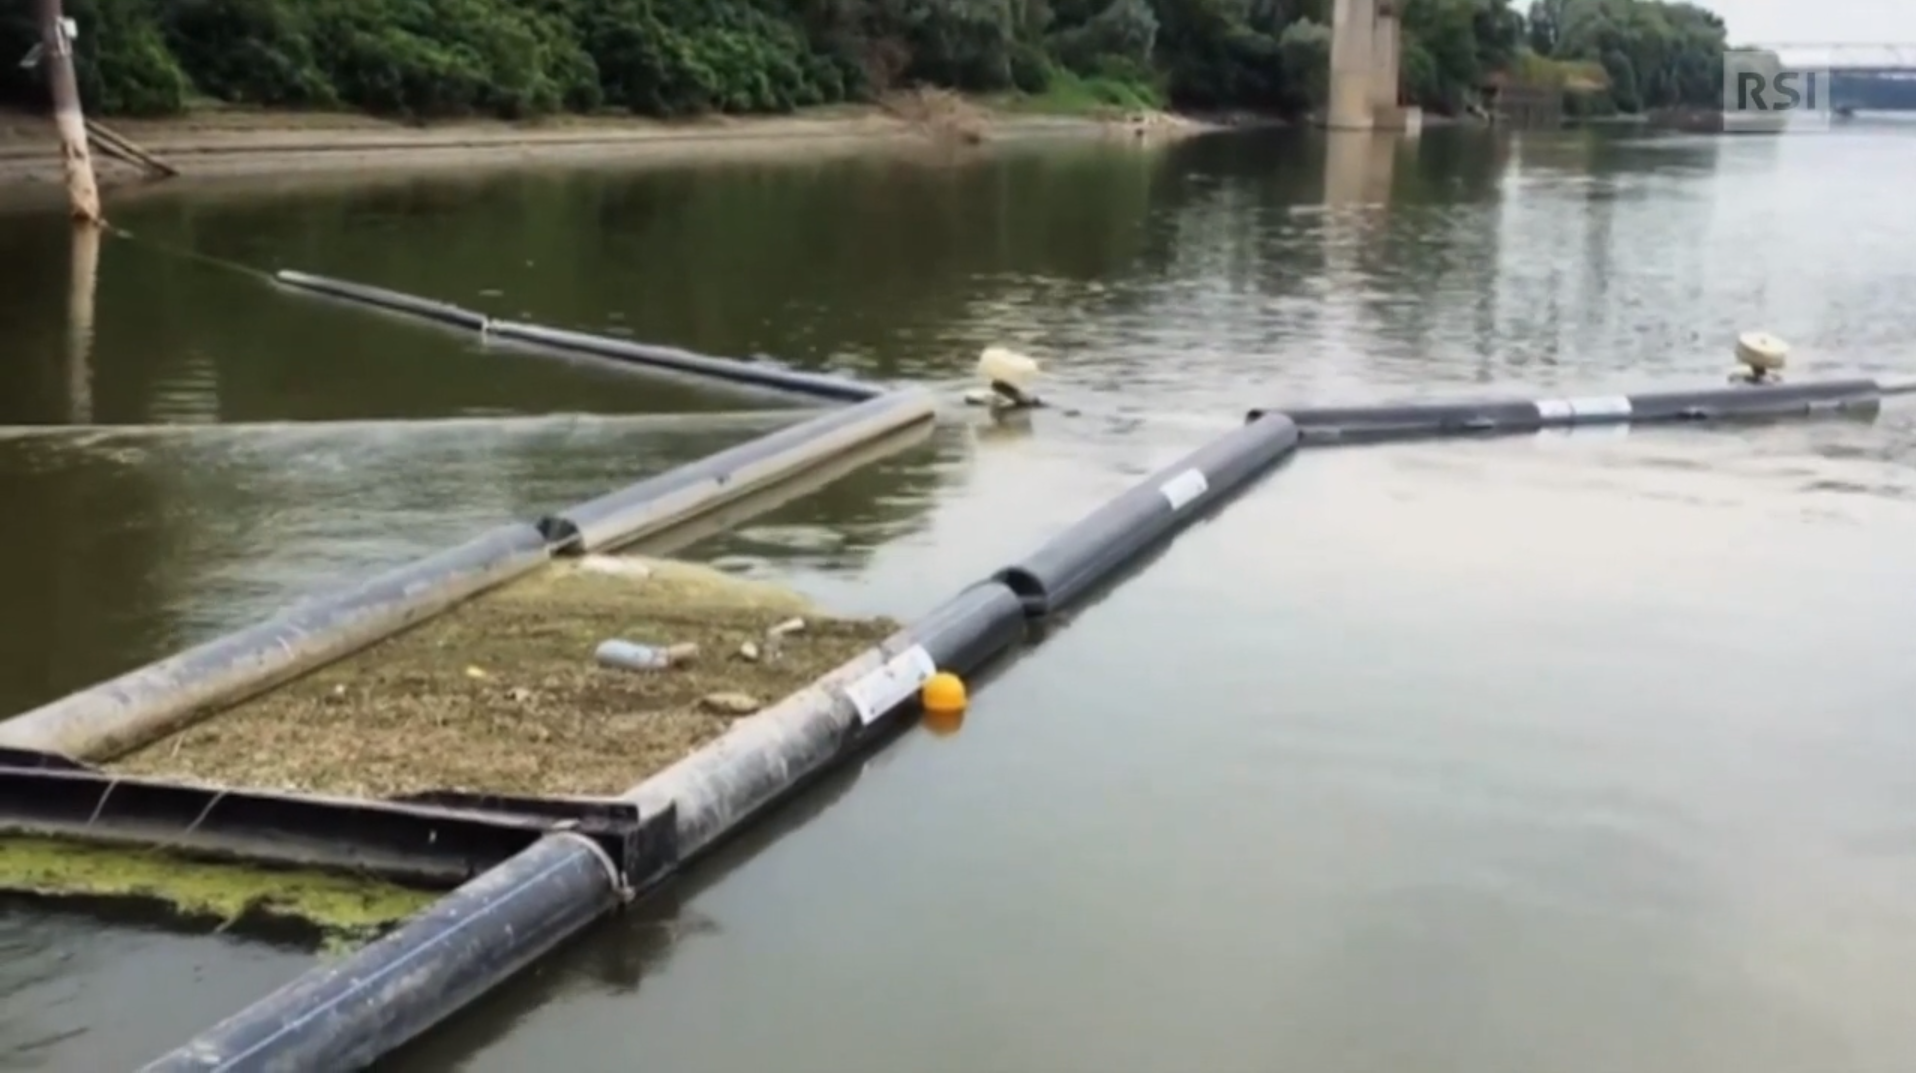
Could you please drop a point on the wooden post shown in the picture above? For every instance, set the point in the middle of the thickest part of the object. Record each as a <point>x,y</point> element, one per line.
<point>83,194</point>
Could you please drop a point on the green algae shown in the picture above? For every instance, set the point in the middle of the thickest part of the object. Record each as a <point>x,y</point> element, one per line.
<point>332,911</point>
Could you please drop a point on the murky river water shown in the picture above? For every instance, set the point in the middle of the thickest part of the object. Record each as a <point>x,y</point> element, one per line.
<point>1581,753</point>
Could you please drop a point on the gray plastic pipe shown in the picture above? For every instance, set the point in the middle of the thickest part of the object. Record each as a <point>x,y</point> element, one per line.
<point>637,510</point>
<point>645,355</point>
<point>143,705</point>
<point>818,385</point>
<point>761,759</point>
<point>343,1015</point>
<point>394,301</point>
<point>1478,416</point>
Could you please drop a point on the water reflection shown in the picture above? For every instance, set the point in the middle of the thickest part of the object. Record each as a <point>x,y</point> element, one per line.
<point>943,724</point>
<point>80,300</point>
<point>69,986</point>
<point>1358,168</point>
<point>136,344</point>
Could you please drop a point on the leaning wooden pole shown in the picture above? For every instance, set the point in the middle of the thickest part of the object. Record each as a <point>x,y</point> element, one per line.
<point>83,193</point>
<point>119,145</point>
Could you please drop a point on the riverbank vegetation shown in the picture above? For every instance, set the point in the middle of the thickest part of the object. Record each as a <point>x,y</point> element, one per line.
<point>430,59</point>
<point>1651,55</point>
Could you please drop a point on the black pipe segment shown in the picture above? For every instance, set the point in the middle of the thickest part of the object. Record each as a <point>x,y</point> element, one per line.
<point>343,1015</point>
<point>818,385</point>
<point>755,373</point>
<point>1074,561</point>
<point>1488,416</point>
<point>394,301</point>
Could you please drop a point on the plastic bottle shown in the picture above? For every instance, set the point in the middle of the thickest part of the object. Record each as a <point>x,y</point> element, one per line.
<point>632,656</point>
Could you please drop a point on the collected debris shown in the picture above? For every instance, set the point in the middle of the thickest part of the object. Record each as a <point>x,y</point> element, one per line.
<point>631,656</point>
<point>733,704</point>
<point>503,694</point>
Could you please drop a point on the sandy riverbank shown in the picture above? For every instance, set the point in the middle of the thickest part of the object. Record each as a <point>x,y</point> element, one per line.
<point>232,143</point>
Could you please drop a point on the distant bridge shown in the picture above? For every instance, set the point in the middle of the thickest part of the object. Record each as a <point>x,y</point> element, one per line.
<point>1858,59</point>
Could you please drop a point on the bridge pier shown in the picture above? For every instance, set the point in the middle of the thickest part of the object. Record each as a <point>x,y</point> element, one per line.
<point>1386,60</point>
<point>1351,82</point>
<point>1366,54</point>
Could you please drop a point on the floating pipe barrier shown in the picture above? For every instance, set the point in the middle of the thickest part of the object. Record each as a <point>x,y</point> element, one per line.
<point>143,705</point>
<point>146,704</point>
<point>763,759</point>
<point>392,301</point>
<point>1491,416</point>
<point>346,1015</point>
<point>632,512</point>
<point>819,385</point>
<point>1075,560</point>
<point>644,355</point>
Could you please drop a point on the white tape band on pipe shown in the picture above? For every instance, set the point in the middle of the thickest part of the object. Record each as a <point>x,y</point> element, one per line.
<point>1183,489</point>
<point>1595,406</point>
<point>888,686</point>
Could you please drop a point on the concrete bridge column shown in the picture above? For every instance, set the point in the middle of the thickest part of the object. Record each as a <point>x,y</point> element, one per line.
<point>1352,104</point>
<point>1385,61</point>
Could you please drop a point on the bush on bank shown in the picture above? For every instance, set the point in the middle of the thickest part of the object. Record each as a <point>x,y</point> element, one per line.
<point>522,58</point>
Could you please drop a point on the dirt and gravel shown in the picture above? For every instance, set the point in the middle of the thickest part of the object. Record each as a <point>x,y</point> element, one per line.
<point>502,694</point>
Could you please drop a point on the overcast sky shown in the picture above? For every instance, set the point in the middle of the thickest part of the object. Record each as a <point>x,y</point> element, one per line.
<point>1772,22</point>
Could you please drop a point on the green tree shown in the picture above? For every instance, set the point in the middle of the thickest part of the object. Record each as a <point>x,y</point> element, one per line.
<point>1657,55</point>
<point>518,58</point>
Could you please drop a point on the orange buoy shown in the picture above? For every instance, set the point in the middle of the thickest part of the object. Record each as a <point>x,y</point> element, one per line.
<point>944,693</point>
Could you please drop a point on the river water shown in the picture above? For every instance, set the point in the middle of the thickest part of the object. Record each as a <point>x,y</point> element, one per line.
<point>1574,752</point>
